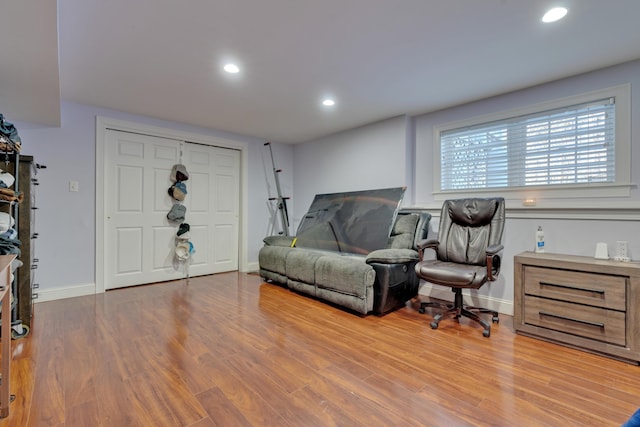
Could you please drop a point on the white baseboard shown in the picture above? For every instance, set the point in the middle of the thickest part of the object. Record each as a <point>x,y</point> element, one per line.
<point>252,266</point>
<point>62,293</point>
<point>470,298</point>
<point>90,289</point>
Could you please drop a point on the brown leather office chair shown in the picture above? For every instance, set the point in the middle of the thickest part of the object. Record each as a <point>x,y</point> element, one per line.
<point>468,253</point>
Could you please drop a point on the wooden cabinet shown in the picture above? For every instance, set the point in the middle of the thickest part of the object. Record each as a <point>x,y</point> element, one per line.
<point>581,302</point>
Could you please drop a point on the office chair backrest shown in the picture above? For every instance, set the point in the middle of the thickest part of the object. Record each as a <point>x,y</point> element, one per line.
<point>467,227</point>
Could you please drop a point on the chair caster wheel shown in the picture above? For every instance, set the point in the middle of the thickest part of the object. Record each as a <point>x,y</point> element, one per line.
<point>434,325</point>
<point>21,332</point>
<point>421,310</point>
<point>495,319</point>
<point>486,333</point>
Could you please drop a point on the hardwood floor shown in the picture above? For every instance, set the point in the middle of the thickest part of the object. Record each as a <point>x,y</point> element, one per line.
<point>229,350</point>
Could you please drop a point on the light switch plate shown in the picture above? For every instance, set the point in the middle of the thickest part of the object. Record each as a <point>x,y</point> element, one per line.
<point>73,186</point>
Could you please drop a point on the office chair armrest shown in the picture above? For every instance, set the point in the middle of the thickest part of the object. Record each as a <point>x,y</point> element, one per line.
<point>493,261</point>
<point>493,266</point>
<point>426,244</point>
<point>494,249</point>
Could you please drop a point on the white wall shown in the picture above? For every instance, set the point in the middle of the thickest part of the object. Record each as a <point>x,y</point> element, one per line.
<point>372,157</point>
<point>365,158</point>
<point>66,221</point>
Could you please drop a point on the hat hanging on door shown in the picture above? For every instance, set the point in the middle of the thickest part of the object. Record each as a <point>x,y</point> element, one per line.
<point>177,213</point>
<point>179,173</point>
<point>183,231</point>
<point>178,191</point>
<point>184,249</point>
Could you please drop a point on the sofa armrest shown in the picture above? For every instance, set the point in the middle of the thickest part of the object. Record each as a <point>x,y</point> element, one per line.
<point>392,256</point>
<point>396,281</point>
<point>287,241</point>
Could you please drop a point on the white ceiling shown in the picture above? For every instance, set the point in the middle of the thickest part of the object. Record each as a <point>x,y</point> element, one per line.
<point>377,58</point>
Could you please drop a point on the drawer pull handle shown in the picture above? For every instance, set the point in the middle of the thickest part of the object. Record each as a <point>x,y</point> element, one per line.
<point>585,322</point>
<point>597,291</point>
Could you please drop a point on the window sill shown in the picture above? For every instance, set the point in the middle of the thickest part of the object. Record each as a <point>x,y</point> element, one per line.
<point>545,192</point>
<point>565,209</point>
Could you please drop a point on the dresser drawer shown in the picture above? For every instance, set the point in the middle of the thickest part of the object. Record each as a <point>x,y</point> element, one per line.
<point>594,289</point>
<point>589,322</point>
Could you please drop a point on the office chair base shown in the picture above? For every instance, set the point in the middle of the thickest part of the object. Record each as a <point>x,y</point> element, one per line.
<point>423,305</point>
<point>457,309</point>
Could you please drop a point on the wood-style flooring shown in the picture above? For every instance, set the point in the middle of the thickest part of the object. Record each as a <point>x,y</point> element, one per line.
<point>230,350</point>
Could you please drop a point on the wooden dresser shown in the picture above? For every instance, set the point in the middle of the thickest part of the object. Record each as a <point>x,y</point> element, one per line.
<point>581,302</point>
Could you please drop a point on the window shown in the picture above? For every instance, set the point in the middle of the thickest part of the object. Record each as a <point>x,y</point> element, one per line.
<point>579,142</point>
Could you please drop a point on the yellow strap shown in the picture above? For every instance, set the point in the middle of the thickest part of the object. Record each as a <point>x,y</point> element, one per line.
<point>293,243</point>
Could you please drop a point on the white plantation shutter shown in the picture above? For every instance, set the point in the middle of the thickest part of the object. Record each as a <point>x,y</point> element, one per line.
<point>569,145</point>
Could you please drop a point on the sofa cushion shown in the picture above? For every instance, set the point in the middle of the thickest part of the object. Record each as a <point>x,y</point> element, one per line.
<point>272,258</point>
<point>300,265</point>
<point>403,232</point>
<point>349,275</point>
<point>392,256</point>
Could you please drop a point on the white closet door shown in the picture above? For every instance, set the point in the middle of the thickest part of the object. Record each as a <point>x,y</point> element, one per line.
<point>139,240</point>
<point>213,207</point>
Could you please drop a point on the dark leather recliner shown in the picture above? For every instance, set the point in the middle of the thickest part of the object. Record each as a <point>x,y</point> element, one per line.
<point>395,282</point>
<point>468,254</point>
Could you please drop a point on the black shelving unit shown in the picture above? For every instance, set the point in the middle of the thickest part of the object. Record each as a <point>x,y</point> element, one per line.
<point>21,312</point>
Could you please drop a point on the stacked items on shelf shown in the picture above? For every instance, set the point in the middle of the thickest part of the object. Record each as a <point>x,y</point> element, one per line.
<point>9,138</point>
<point>9,244</point>
<point>11,144</point>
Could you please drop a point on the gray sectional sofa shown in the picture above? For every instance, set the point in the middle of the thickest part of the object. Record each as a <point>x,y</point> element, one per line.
<point>377,282</point>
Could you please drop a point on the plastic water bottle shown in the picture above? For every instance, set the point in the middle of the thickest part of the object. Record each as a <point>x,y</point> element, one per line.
<point>539,240</point>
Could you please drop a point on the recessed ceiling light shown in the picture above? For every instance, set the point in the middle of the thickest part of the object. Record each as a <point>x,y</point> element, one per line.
<point>554,14</point>
<point>328,102</point>
<point>231,68</point>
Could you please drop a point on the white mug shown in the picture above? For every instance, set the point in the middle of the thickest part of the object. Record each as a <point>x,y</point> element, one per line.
<point>602,252</point>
